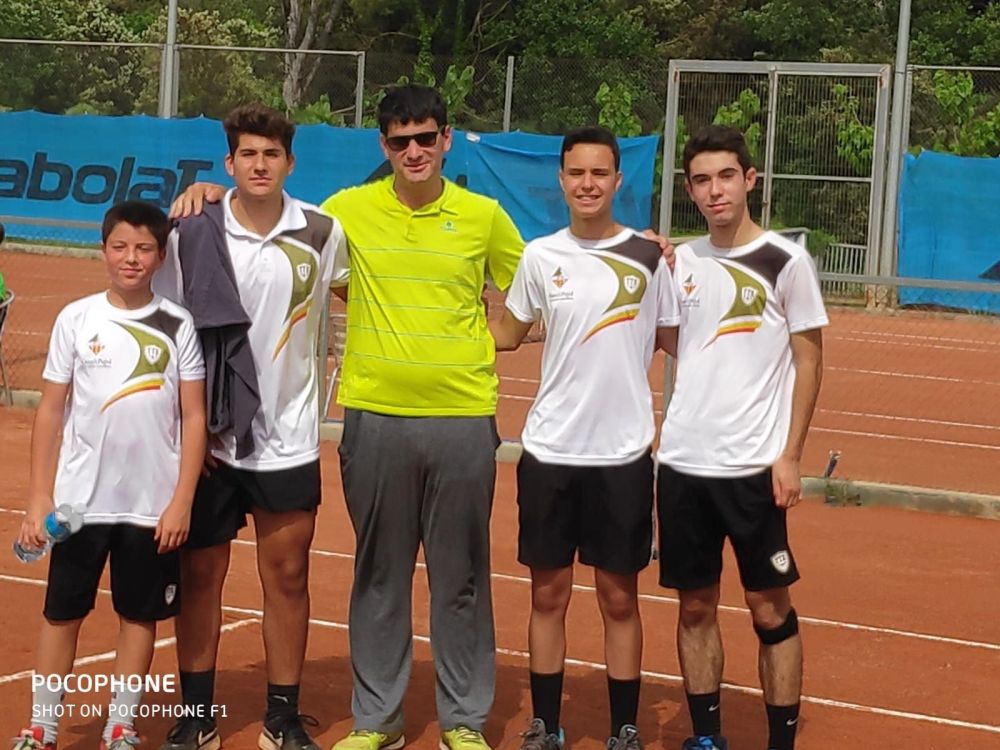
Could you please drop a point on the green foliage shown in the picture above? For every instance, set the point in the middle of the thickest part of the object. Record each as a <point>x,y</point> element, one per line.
<point>616,110</point>
<point>743,114</point>
<point>971,121</point>
<point>855,140</point>
<point>318,112</point>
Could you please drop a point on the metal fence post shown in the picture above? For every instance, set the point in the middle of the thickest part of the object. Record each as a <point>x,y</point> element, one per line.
<point>669,149</point>
<point>508,93</point>
<point>359,93</point>
<point>769,139</point>
<point>168,65</point>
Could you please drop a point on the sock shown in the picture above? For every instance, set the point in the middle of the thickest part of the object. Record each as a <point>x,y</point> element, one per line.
<point>282,704</point>
<point>122,710</point>
<point>198,689</point>
<point>546,698</point>
<point>782,721</point>
<point>624,698</point>
<point>706,713</point>
<point>44,707</point>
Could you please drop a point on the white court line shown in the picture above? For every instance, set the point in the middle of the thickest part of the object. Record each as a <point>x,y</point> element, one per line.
<point>885,436</point>
<point>255,615</point>
<point>876,340</point>
<point>889,334</point>
<point>667,677</point>
<point>106,655</point>
<point>909,376</point>
<point>659,599</point>
<point>916,420</point>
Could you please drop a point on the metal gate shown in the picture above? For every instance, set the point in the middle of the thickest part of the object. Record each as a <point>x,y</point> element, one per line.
<point>817,133</point>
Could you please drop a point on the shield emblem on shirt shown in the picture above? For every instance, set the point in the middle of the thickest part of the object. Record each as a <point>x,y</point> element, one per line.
<point>631,283</point>
<point>781,561</point>
<point>303,270</point>
<point>748,294</point>
<point>152,352</point>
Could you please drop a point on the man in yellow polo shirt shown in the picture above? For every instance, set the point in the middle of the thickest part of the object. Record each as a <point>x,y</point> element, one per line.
<point>417,456</point>
<point>419,390</point>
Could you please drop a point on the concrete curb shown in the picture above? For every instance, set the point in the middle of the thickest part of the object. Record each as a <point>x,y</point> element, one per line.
<point>832,491</point>
<point>56,250</point>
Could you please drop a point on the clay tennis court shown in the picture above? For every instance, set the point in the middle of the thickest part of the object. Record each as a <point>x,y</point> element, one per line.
<point>898,608</point>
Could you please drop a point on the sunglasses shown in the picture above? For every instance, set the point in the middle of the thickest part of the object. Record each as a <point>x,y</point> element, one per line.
<point>424,139</point>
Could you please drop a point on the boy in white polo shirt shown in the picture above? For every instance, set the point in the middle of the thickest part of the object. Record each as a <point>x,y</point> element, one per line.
<point>585,479</point>
<point>124,385</point>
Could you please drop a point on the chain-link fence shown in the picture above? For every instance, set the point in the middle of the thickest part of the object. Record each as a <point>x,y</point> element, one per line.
<point>953,110</point>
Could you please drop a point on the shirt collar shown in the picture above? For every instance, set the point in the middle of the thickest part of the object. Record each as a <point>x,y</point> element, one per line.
<point>292,218</point>
<point>443,204</point>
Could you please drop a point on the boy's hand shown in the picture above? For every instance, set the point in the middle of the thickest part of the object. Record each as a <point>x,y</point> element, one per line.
<point>192,200</point>
<point>213,442</point>
<point>665,247</point>
<point>172,529</point>
<point>33,534</point>
<point>786,482</point>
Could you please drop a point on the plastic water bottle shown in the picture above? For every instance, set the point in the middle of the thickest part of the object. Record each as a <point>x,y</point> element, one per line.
<point>59,525</point>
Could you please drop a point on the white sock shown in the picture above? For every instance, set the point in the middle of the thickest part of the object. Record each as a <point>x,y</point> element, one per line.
<point>45,707</point>
<point>122,710</point>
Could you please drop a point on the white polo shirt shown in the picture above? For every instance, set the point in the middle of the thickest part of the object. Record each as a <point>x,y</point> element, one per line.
<point>282,280</point>
<point>121,449</point>
<point>602,301</point>
<point>732,400</point>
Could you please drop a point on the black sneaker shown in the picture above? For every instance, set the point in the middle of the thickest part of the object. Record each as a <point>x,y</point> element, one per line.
<point>192,733</point>
<point>627,739</point>
<point>706,742</point>
<point>536,737</point>
<point>291,735</point>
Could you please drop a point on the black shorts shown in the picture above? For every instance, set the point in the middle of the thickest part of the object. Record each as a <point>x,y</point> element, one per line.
<point>145,585</point>
<point>604,511</point>
<point>223,499</point>
<point>695,516</point>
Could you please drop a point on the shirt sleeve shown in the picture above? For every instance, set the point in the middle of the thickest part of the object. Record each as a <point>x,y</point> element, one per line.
<point>800,292</point>
<point>524,298</point>
<point>504,249</point>
<point>668,310</point>
<point>339,257</point>
<point>62,354</point>
<point>168,281</point>
<point>191,363</point>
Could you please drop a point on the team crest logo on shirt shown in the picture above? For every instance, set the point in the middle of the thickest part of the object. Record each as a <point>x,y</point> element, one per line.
<point>150,369</point>
<point>95,345</point>
<point>448,226</point>
<point>152,352</point>
<point>689,286</point>
<point>559,279</point>
<point>746,314</point>
<point>303,270</point>
<point>781,561</point>
<point>169,593</point>
<point>631,289</point>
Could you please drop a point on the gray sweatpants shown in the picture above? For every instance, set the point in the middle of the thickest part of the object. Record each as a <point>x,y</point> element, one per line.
<point>410,481</point>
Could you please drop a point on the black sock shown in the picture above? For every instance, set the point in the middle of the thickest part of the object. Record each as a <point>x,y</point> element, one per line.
<point>706,713</point>
<point>198,689</point>
<point>282,704</point>
<point>546,698</point>
<point>624,698</point>
<point>782,721</point>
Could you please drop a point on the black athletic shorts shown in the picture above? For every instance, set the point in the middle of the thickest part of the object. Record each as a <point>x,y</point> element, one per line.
<point>224,497</point>
<point>145,585</point>
<point>696,514</point>
<point>605,512</point>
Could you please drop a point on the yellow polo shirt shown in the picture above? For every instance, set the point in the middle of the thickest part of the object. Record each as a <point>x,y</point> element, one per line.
<point>417,341</point>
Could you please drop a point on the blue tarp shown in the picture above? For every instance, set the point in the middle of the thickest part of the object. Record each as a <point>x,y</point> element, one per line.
<point>949,227</point>
<point>61,167</point>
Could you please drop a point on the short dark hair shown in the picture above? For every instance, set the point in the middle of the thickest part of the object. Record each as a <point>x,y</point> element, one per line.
<point>258,119</point>
<point>591,134</point>
<point>717,138</point>
<point>411,103</point>
<point>137,214</point>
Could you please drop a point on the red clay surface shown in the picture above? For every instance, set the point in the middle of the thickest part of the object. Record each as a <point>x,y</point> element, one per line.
<point>908,398</point>
<point>901,629</point>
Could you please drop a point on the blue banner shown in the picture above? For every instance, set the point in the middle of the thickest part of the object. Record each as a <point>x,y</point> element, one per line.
<point>948,227</point>
<point>73,168</point>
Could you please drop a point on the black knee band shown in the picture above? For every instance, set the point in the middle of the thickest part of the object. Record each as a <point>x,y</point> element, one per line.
<point>774,636</point>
